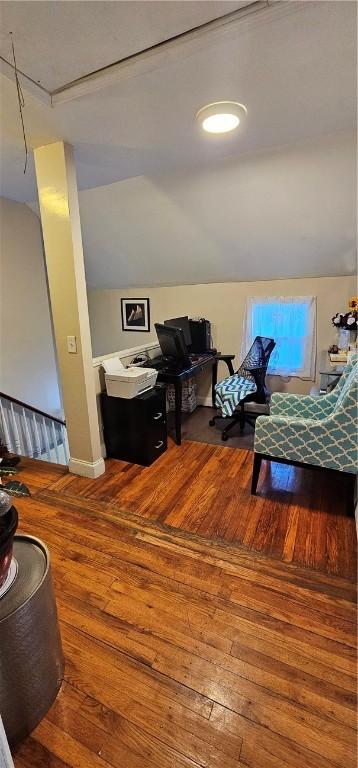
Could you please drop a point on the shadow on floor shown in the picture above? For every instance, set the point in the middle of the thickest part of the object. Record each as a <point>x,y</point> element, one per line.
<point>195,426</point>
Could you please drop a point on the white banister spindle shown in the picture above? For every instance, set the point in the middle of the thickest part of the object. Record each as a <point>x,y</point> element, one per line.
<point>25,416</point>
<point>46,425</point>
<point>15,430</point>
<point>64,443</point>
<point>28,432</point>
<point>40,428</point>
<point>5,429</point>
<point>55,442</point>
<point>37,451</point>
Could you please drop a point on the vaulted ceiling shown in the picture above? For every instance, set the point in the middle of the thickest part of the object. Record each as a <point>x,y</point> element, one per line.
<point>286,213</point>
<point>293,64</point>
<point>160,201</point>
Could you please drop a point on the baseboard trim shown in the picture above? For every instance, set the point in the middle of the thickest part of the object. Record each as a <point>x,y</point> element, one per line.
<point>86,468</point>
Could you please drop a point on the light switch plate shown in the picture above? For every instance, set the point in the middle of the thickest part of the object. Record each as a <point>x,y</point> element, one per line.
<point>71,345</point>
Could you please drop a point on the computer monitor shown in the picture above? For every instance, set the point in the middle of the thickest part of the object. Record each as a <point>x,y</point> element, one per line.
<point>172,344</point>
<point>183,323</point>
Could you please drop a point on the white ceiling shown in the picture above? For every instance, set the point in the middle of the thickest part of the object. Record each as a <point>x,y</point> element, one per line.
<point>285,213</point>
<point>58,42</point>
<point>294,66</point>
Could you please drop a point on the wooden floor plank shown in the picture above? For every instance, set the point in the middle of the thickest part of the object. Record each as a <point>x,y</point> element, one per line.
<point>136,576</point>
<point>180,730</point>
<point>206,549</point>
<point>87,652</point>
<point>230,553</point>
<point>261,746</point>
<point>187,651</point>
<point>206,489</point>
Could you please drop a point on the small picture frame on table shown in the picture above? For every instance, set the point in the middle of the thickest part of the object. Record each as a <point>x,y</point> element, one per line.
<point>135,314</point>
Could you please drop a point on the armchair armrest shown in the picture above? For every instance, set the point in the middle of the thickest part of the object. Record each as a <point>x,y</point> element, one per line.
<point>325,442</point>
<point>280,420</point>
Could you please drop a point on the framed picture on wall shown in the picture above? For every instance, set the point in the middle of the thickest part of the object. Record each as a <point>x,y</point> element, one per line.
<point>135,314</point>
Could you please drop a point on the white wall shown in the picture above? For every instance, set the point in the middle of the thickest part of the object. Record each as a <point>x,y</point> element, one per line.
<point>27,358</point>
<point>224,305</point>
<point>286,213</point>
<point>199,242</point>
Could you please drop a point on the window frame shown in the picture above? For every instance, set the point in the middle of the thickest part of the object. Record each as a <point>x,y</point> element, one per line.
<point>308,369</point>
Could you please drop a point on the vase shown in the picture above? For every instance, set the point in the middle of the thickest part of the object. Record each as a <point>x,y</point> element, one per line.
<point>352,339</point>
<point>343,339</point>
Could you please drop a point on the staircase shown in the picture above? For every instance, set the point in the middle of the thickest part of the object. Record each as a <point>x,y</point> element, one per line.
<point>27,431</point>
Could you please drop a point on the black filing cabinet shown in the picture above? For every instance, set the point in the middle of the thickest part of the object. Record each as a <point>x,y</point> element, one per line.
<point>135,430</point>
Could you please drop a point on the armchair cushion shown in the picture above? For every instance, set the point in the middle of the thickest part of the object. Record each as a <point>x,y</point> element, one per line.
<point>230,392</point>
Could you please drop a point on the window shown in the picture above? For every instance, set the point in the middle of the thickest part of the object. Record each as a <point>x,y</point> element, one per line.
<point>291,322</point>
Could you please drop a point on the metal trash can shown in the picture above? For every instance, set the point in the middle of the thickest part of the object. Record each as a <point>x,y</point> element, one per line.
<point>31,658</point>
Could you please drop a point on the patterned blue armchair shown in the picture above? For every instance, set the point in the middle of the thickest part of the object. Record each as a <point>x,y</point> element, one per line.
<point>308,431</point>
<point>308,406</point>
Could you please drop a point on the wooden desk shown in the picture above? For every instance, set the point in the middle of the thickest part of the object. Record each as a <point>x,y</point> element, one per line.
<point>168,376</point>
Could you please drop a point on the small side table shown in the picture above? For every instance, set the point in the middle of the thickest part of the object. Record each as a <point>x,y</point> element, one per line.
<point>329,374</point>
<point>31,659</point>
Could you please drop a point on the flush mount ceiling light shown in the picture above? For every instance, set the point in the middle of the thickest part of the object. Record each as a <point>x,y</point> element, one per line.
<point>221,116</point>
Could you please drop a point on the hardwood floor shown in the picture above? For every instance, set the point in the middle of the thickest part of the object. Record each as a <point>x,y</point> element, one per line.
<point>181,651</point>
<point>299,515</point>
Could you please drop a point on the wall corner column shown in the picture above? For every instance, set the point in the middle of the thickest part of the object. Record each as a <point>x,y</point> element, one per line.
<point>61,227</point>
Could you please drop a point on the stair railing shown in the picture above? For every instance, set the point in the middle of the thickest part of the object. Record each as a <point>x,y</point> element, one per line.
<point>28,431</point>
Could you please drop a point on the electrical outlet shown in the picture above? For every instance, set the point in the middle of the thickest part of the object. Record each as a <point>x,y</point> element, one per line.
<point>71,345</point>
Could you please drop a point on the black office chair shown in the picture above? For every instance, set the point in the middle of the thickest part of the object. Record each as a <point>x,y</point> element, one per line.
<point>247,385</point>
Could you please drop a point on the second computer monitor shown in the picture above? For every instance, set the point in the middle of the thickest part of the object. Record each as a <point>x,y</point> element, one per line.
<point>183,323</point>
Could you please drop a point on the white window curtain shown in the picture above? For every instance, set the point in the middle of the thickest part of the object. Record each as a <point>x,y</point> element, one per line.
<point>291,322</point>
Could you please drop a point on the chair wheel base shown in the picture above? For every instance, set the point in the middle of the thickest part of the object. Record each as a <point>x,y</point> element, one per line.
<point>224,437</point>
<point>212,423</point>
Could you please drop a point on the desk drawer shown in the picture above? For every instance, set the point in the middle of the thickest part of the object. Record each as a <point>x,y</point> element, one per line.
<point>156,448</point>
<point>135,430</point>
<point>156,442</point>
<point>155,407</point>
<point>156,417</point>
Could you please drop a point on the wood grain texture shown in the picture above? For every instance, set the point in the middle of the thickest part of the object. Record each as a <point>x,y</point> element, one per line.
<point>299,515</point>
<point>183,651</point>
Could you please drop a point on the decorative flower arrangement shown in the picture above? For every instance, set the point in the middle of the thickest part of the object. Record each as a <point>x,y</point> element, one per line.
<point>353,303</point>
<point>347,321</point>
